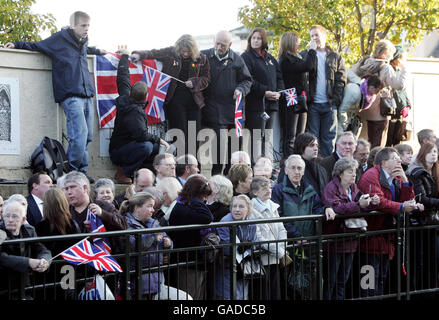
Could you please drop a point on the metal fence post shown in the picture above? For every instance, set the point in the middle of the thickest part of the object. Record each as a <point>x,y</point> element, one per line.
<point>233,265</point>
<point>319,259</point>
<point>399,249</point>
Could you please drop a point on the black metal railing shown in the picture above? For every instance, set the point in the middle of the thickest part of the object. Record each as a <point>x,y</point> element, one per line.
<point>323,266</point>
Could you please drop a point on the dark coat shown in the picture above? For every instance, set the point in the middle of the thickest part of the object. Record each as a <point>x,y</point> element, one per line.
<point>199,74</point>
<point>336,197</point>
<point>329,162</point>
<point>373,182</point>
<point>335,77</point>
<point>150,280</point>
<point>110,217</point>
<point>425,188</point>
<point>131,122</point>
<point>226,76</point>
<point>297,202</point>
<point>13,263</point>
<point>266,76</point>
<point>43,230</point>
<point>295,70</point>
<point>70,75</point>
<point>219,210</point>
<point>33,215</point>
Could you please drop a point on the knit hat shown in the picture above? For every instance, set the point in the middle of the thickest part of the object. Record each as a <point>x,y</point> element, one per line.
<point>399,51</point>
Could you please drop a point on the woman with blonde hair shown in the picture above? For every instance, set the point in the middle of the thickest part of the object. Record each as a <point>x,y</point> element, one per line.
<point>294,72</point>
<point>184,98</point>
<point>379,65</point>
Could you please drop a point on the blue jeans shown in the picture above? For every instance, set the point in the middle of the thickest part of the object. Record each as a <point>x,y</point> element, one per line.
<point>131,156</point>
<point>337,268</point>
<point>79,116</point>
<point>322,122</point>
<point>380,263</point>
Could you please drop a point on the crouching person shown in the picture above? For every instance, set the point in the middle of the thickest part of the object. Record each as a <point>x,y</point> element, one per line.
<point>14,263</point>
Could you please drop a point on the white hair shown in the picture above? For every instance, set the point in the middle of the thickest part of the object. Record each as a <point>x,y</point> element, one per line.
<point>292,157</point>
<point>239,156</point>
<point>18,200</point>
<point>171,186</point>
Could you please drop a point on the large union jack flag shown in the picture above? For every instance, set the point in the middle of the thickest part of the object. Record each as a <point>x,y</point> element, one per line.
<point>238,115</point>
<point>85,252</point>
<point>291,97</point>
<point>106,86</point>
<point>158,84</point>
<point>96,225</point>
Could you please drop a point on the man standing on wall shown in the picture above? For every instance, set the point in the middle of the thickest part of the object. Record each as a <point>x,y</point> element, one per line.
<point>326,87</point>
<point>72,83</point>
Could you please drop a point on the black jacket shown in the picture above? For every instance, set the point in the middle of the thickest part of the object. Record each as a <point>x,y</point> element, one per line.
<point>266,76</point>
<point>424,186</point>
<point>33,214</point>
<point>225,77</point>
<point>13,263</point>
<point>335,77</point>
<point>295,70</point>
<point>131,120</point>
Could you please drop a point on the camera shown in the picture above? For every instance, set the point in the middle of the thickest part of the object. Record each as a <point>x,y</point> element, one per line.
<point>265,116</point>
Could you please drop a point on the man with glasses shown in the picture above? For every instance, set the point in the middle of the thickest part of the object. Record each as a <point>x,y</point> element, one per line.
<point>387,180</point>
<point>229,77</point>
<point>164,166</point>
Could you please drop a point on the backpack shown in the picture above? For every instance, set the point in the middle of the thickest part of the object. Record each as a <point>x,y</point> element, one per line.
<point>50,157</point>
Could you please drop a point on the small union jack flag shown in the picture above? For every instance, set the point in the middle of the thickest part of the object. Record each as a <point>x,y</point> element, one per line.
<point>158,84</point>
<point>238,115</point>
<point>85,252</point>
<point>291,96</point>
<point>97,226</point>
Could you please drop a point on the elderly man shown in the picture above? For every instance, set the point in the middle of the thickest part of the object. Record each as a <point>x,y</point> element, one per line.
<point>361,154</point>
<point>142,179</point>
<point>37,185</point>
<point>77,190</point>
<point>387,180</point>
<point>229,76</point>
<point>72,83</point>
<point>326,86</point>
<point>186,165</point>
<point>170,188</point>
<point>15,264</point>
<point>297,198</point>
<point>164,166</point>
<point>344,148</point>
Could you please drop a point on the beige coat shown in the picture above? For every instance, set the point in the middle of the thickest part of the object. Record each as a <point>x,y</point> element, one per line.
<point>390,81</point>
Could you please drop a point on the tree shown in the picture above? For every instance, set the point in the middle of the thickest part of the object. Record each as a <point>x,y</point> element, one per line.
<point>354,25</point>
<point>18,23</point>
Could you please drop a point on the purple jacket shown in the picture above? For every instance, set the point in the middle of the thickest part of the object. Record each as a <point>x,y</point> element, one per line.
<point>335,196</point>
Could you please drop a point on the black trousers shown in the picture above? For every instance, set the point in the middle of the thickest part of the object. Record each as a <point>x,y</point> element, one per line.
<point>180,110</point>
<point>293,124</point>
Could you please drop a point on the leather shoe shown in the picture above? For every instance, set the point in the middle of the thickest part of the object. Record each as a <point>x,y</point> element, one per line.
<point>121,177</point>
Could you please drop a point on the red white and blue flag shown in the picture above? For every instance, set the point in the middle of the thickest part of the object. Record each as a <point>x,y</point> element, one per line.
<point>85,252</point>
<point>238,115</point>
<point>106,86</point>
<point>158,84</point>
<point>96,225</point>
<point>291,97</point>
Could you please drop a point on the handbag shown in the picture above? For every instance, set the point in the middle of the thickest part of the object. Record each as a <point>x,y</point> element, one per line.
<point>251,268</point>
<point>387,106</point>
<point>302,272</point>
<point>301,105</point>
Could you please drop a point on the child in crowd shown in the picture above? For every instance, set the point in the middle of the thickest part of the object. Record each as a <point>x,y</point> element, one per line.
<point>406,153</point>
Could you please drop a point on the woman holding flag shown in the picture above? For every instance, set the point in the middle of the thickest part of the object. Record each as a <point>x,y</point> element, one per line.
<point>294,71</point>
<point>262,103</point>
<point>190,73</point>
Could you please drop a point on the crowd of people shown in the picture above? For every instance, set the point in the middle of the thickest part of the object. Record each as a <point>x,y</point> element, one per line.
<point>325,169</point>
